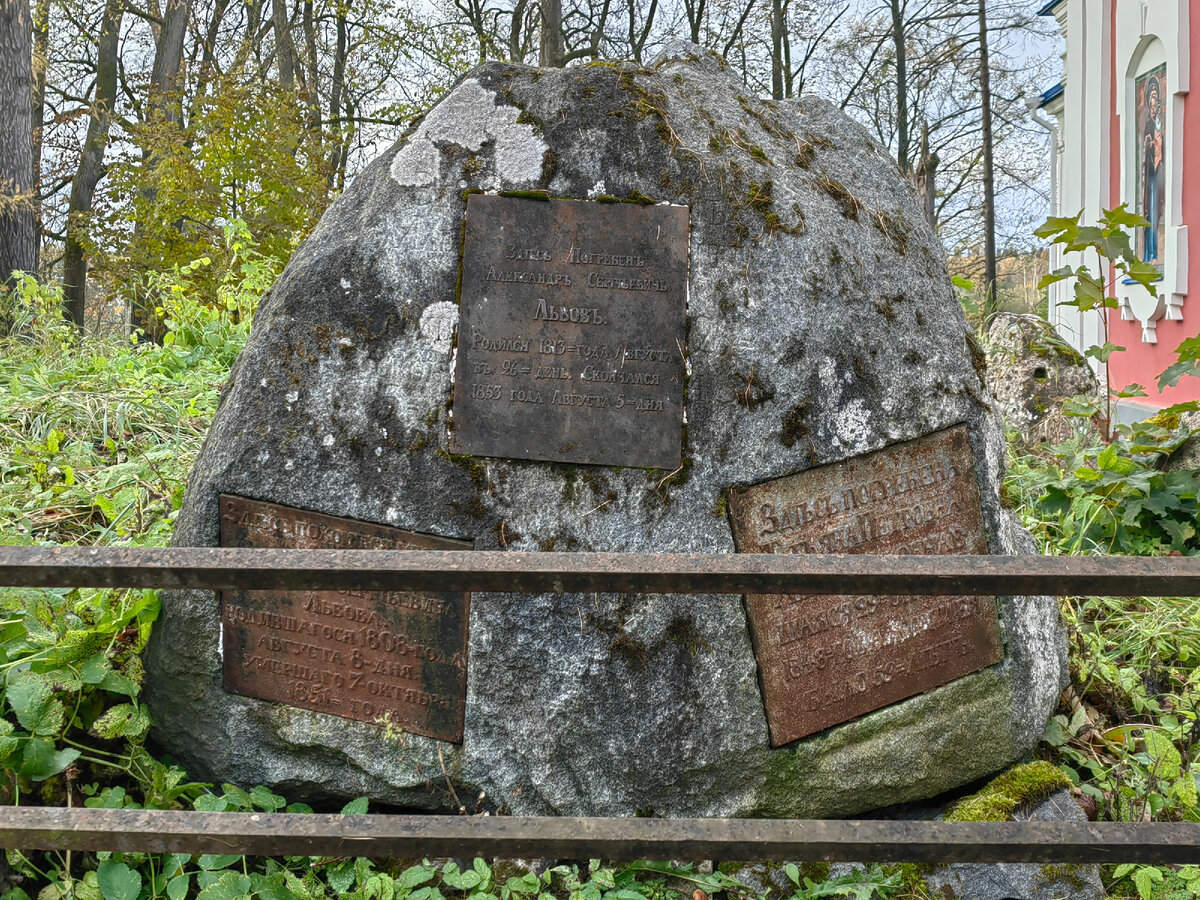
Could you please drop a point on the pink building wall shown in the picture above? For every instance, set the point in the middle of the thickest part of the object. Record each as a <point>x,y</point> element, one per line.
<point>1141,363</point>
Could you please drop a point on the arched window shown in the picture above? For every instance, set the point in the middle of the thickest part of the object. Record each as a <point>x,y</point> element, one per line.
<point>1152,62</point>
<point>1149,124</point>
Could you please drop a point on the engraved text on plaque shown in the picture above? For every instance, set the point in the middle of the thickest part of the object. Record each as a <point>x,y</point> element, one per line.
<point>828,659</point>
<point>571,332</point>
<point>366,655</point>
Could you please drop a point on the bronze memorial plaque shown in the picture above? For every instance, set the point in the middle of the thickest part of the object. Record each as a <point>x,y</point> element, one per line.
<point>828,659</point>
<point>571,332</point>
<point>366,655</point>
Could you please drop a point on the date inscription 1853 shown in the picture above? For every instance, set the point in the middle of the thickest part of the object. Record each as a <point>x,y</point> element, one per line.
<point>571,332</point>
<point>828,659</point>
<point>367,655</point>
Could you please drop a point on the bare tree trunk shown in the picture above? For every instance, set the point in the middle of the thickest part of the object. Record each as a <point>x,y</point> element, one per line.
<point>164,101</point>
<point>164,108</point>
<point>637,40</point>
<point>310,52</point>
<point>900,43</point>
<point>41,52</point>
<point>91,162</point>
<point>695,16</point>
<point>208,56</point>
<point>285,49</point>
<point>18,217</point>
<point>989,172</point>
<point>924,179</point>
<point>778,26</point>
<point>518,37</point>
<point>337,160</point>
<point>552,49</point>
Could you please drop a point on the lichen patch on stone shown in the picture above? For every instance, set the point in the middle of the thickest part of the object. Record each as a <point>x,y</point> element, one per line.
<point>470,118</point>
<point>437,325</point>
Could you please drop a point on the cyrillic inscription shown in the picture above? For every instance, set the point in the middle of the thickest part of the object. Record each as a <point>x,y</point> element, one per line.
<point>571,307</point>
<point>828,659</point>
<point>369,655</point>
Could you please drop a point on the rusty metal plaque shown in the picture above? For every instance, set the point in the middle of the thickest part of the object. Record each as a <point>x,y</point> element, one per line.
<point>571,332</point>
<point>823,660</point>
<point>374,656</point>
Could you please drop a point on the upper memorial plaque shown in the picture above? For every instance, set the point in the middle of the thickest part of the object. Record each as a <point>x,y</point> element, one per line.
<point>366,655</point>
<point>571,332</point>
<point>828,659</point>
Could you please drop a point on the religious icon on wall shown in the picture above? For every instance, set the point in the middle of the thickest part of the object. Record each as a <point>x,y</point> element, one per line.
<point>1151,123</point>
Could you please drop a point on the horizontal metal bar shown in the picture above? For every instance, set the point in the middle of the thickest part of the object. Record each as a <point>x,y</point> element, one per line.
<point>275,834</point>
<point>217,568</point>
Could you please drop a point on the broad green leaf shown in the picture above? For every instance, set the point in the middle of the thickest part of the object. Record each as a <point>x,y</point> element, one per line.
<point>1080,406</point>
<point>1089,294</point>
<point>210,803</point>
<point>356,807</point>
<point>266,800</point>
<point>1122,217</point>
<point>230,886</point>
<point>1144,879</point>
<point>1184,789</point>
<point>177,887</point>
<point>29,695</point>
<point>122,720</point>
<point>1102,352</point>
<point>1130,390</point>
<point>1171,375</point>
<point>379,887</point>
<point>8,743</point>
<point>214,861</point>
<point>341,876</point>
<point>1059,274</point>
<point>1054,735</point>
<point>1181,532</point>
<point>41,761</point>
<point>271,888</point>
<point>1056,225</point>
<point>174,864</point>
<point>1167,760</point>
<point>95,669</point>
<point>118,881</point>
<point>415,875</point>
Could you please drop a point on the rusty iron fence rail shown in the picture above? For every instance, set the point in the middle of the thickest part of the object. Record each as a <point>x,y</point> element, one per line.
<point>746,840</point>
<point>220,568</point>
<point>45,828</point>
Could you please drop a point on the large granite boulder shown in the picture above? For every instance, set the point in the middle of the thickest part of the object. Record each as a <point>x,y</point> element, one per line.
<point>822,325</point>
<point>1186,457</point>
<point>1031,371</point>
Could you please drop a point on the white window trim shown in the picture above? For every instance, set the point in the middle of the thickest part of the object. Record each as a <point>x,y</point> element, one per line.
<point>1144,25</point>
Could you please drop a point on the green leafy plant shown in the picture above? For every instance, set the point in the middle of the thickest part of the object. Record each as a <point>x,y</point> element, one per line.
<point>1109,243</point>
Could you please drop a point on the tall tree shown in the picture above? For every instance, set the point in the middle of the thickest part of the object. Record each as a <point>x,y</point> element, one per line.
<point>91,161</point>
<point>18,214</point>
<point>164,99</point>
<point>41,60</point>
<point>164,109</point>
<point>552,50</point>
<point>989,170</point>
<point>900,48</point>
<point>285,48</point>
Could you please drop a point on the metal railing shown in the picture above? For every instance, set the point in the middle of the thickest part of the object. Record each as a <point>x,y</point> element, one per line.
<point>615,839</point>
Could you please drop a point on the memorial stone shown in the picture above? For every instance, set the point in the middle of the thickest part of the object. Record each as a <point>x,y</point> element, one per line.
<point>756,313</point>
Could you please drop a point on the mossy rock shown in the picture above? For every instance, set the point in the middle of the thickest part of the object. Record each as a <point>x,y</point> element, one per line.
<point>799,353</point>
